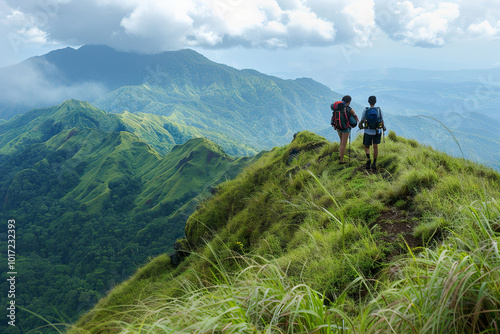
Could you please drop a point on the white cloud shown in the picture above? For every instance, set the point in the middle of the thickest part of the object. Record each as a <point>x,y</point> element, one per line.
<point>426,26</point>
<point>429,23</point>
<point>158,25</point>
<point>159,20</point>
<point>222,23</point>
<point>23,30</point>
<point>362,20</point>
<point>34,35</point>
<point>484,29</point>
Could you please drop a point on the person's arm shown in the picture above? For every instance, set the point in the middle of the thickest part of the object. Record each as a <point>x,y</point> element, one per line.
<point>353,113</point>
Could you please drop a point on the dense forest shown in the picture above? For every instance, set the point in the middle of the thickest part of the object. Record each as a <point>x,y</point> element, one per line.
<point>92,203</point>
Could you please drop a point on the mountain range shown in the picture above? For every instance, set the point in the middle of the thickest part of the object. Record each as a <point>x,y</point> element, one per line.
<point>242,110</point>
<point>186,95</point>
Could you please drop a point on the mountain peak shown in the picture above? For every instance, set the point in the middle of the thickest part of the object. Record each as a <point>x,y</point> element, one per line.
<point>96,47</point>
<point>200,143</point>
<point>73,103</point>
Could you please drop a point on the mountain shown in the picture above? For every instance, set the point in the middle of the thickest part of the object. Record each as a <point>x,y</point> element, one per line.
<point>84,74</point>
<point>231,106</point>
<point>244,111</point>
<point>93,201</point>
<point>299,243</point>
<point>39,124</point>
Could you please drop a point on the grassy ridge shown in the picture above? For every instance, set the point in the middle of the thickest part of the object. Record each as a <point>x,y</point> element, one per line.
<point>158,131</point>
<point>295,222</point>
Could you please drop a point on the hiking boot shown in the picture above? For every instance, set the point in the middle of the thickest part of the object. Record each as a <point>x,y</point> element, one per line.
<point>374,166</point>
<point>368,162</point>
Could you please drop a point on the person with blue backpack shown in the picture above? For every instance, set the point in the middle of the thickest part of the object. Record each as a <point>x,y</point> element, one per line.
<point>372,122</point>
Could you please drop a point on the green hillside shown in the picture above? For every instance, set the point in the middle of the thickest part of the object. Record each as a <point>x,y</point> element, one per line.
<point>300,244</point>
<point>92,204</point>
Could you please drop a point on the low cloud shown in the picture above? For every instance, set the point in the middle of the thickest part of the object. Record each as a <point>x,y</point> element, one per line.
<point>30,85</point>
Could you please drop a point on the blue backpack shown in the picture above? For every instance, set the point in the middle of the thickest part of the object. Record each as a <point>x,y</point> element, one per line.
<point>373,118</point>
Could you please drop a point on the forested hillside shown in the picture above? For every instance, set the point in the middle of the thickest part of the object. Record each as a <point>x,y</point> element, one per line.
<point>92,203</point>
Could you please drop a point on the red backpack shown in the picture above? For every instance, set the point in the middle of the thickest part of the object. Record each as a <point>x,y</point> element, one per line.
<point>340,118</point>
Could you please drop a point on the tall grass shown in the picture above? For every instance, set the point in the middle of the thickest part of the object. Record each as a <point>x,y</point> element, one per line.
<point>259,298</point>
<point>454,288</point>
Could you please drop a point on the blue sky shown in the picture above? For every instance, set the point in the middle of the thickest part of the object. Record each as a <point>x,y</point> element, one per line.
<point>290,38</point>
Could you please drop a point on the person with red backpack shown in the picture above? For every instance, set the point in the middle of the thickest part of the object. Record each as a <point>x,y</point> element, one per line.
<point>343,119</point>
<point>372,122</point>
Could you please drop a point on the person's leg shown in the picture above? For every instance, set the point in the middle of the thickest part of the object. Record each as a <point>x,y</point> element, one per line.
<point>375,156</point>
<point>343,143</point>
<point>376,141</point>
<point>366,143</point>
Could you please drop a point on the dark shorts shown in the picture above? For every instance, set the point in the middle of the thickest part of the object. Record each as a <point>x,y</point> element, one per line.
<point>368,140</point>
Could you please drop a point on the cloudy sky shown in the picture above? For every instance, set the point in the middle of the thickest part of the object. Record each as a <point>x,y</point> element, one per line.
<point>291,38</point>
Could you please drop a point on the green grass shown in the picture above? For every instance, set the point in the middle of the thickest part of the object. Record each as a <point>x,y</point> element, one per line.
<point>327,230</point>
<point>451,288</point>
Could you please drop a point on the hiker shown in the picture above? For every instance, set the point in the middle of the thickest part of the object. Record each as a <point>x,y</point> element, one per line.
<point>344,134</point>
<point>373,124</point>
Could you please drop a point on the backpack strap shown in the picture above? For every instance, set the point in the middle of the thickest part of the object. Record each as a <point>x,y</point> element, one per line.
<point>363,116</point>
